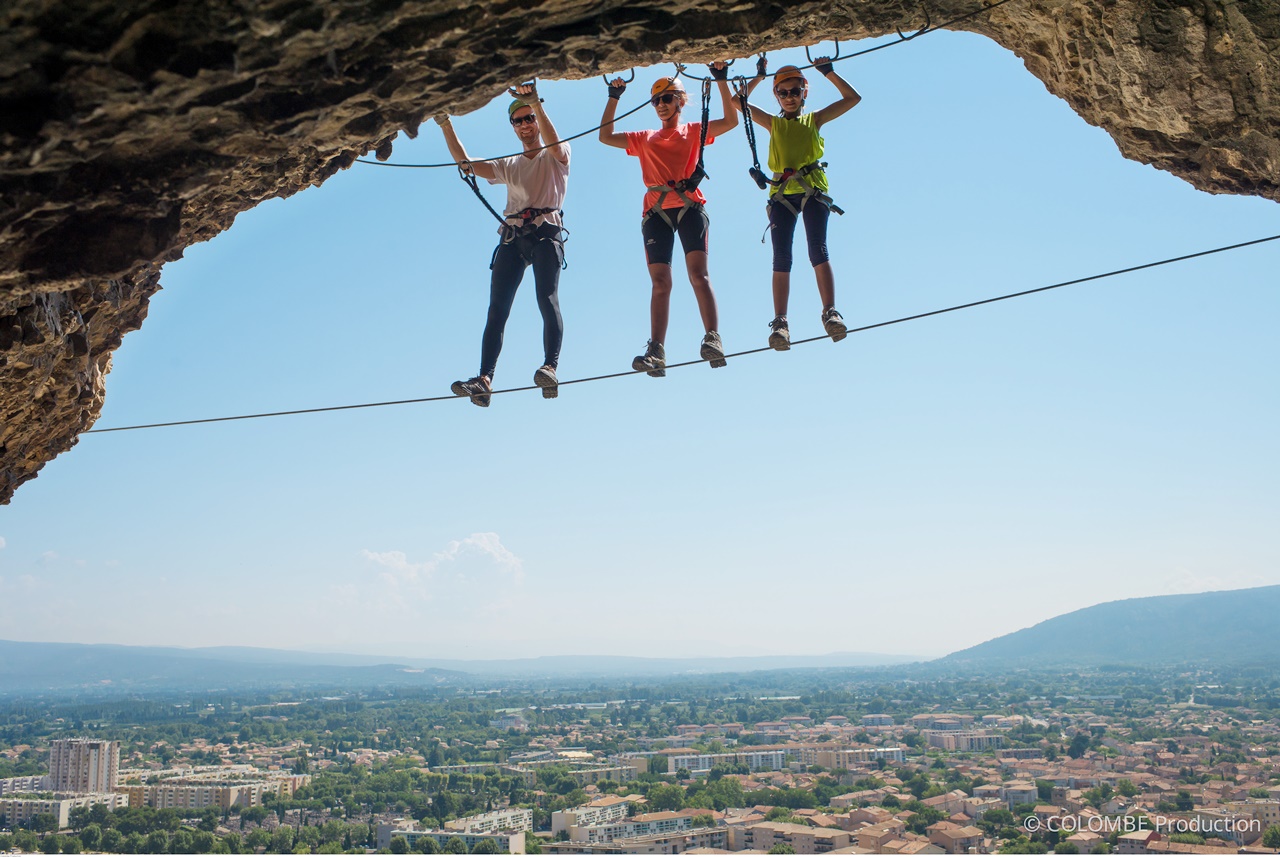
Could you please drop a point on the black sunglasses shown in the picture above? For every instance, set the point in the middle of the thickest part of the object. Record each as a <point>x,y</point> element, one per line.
<point>794,93</point>
<point>528,117</point>
<point>665,98</point>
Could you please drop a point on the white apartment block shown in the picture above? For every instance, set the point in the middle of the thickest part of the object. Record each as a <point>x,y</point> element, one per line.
<point>605,810</point>
<point>965,741</point>
<point>651,824</point>
<point>755,760</point>
<point>20,811</point>
<point>850,757</point>
<point>491,822</point>
<point>24,785</point>
<point>84,765</point>
<point>877,720</point>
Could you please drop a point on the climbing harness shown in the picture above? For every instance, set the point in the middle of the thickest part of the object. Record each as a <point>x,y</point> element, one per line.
<point>810,192</point>
<point>685,186</point>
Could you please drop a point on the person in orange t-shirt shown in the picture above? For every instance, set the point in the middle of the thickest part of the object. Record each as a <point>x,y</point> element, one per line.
<point>668,160</point>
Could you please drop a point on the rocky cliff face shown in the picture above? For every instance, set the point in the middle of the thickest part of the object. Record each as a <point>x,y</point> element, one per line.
<point>133,128</point>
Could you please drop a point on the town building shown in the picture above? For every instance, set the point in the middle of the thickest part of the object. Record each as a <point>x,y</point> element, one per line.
<point>84,765</point>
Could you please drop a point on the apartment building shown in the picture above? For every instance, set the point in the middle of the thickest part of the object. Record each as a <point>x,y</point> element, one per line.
<point>1019,791</point>
<point>605,810</point>
<point>803,838</point>
<point>701,764</point>
<point>963,740</point>
<point>24,785</point>
<point>19,811</point>
<point>507,820</point>
<point>200,791</point>
<point>649,824</point>
<point>84,765</point>
<point>850,757</point>
<point>872,720</point>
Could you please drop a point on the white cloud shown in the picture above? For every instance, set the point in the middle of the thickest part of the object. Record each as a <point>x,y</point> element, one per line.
<point>1,541</point>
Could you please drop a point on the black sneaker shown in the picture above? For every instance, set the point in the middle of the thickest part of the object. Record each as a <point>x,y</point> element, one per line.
<point>834,324</point>
<point>478,388</point>
<point>653,361</point>
<point>545,378</point>
<point>779,334</point>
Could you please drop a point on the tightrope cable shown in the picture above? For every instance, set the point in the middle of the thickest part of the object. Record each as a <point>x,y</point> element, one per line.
<point>592,378</point>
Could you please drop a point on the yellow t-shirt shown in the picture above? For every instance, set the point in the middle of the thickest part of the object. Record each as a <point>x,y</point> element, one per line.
<point>795,143</point>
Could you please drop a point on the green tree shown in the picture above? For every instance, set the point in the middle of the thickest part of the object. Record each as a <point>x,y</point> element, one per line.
<point>91,836</point>
<point>782,848</point>
<point>664,796</point>
<point>532,844</point>
<point>1271,837</point>
<point>425,845</point>
<point>43,822</point>
<point>182,842</point>
<point>454,845</point>
<point>1079,745</point>
<point>51,844</point>
<point>257,839</point>
<point>399,845</point>
<point>157,842</point>
<point>486,846</point>
<point>71,845</point>
<point>1066,848</point>
<point>703,820</point>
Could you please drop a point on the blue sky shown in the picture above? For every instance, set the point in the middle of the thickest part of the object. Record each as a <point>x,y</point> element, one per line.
<point>914,489</point>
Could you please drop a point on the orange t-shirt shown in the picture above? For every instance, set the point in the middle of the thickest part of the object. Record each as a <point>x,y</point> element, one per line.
<point>667,155</point>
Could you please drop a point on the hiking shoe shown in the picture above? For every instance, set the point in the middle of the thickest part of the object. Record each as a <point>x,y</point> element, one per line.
<point>834,324</point>
<point>779,334</point>
<point>478,388</point>
<point>712,350</point>
<point>653,361</point>
<point>546,379</point>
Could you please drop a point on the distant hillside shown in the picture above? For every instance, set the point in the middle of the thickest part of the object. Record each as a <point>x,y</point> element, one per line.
<point>1233,627</point>
<point>60,667</point>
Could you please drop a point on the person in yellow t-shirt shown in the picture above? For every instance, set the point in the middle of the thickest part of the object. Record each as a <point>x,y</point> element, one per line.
<point>800,188</point>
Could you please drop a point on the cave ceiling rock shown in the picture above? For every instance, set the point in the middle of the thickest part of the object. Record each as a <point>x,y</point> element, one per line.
<point>132,129</point>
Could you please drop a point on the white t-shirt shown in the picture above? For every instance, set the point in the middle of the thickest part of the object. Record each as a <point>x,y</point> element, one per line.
<point>537,182</point>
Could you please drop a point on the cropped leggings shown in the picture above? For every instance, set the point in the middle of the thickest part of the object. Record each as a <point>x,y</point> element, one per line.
<point>783,230</point>
<point>543,250</point>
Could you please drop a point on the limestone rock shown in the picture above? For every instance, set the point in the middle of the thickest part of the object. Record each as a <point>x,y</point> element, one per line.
<point>131,129</point>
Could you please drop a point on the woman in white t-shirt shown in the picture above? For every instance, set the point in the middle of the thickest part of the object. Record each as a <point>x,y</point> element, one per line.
<point>536,182</point>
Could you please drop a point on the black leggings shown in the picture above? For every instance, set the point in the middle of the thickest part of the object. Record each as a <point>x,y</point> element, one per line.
<point>783,224</point>
<point>543,250</point>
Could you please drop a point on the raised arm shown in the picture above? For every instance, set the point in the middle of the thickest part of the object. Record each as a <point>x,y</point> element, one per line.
<point>849,96</point>
<point>528,93</point>
<point>607,135</point>
<point>484,170</point>
<point>719,71</point>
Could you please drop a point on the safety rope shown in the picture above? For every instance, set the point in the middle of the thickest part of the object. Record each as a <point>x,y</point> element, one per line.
<point>862,329</point>
<point>499,157</point>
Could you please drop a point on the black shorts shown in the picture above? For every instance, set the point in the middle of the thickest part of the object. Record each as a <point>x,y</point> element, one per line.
<point>660,239</point>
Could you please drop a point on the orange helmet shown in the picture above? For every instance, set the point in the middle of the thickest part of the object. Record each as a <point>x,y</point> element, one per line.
<point>787,72</point>
<point>666,84</point>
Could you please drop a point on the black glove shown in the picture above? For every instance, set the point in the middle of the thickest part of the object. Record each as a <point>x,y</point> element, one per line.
<point>762,65</point>
<point>824,68</point>
<point>616,91</point>
<point>718,73</point>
